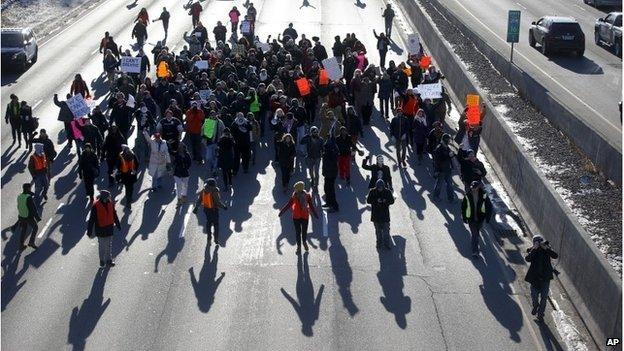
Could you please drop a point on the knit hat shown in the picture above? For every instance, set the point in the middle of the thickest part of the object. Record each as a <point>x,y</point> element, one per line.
<point>299,186</point>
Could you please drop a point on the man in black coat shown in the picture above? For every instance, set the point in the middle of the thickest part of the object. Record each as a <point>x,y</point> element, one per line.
<point>66,116</point>
<point>540,274</point>
<point>380,198</point>
<point>476,208</point>
<point>471,169</point>
<point>330,172</point>
<point>378,171</point>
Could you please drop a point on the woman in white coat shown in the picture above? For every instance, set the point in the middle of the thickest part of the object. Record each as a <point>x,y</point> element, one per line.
<point>159,161</point>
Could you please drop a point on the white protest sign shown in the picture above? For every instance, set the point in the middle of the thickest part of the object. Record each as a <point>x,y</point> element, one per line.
<point>78,106</point>
<point>205,94</point>
<point>413,43</point>
<point>130,64</point>
<point>430,91</point>
<point>333,69</point>
<point>201,64</point>
<point>263,46</point>
<point>246,27</point>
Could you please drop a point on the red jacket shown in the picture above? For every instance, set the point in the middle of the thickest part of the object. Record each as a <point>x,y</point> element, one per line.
<point>300,211</point>
<point>194,121</point>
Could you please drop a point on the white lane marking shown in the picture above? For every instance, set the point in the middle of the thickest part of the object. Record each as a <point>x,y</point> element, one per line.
<point>37,104</point>
<point>548,75</point>
<point>95,51</point>
<point>187,215</point>
<point>324,218</point>
<point>580,8</point>
<point>45,228</point>
<point>519,4</point>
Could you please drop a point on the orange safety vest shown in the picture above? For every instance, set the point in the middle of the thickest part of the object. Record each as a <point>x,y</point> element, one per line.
<point>105,213</point>
<point>40,162</point>
<point>207,200</point>
<point>126,166</point>
<point>163,70</point>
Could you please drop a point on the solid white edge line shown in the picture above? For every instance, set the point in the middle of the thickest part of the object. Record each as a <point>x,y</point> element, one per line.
<point>45,228</point>
<point>187,216</point>
<point>324,218</point>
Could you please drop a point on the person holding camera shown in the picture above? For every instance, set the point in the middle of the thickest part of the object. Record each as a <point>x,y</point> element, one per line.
<point>540,274</point>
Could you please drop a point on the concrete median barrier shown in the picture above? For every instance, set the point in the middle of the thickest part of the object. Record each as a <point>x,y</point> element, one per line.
<point>591,283</point>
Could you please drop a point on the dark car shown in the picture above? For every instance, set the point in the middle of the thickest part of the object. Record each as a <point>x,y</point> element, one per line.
<point>608,31</point>
<point>554,33</point>
<point>19,48</point>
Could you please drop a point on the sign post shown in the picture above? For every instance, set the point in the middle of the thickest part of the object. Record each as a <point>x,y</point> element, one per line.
<point>513,29</point>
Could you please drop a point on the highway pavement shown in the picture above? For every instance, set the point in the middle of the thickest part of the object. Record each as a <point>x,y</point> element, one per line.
<point>170,291</point>
<point>591,86</point>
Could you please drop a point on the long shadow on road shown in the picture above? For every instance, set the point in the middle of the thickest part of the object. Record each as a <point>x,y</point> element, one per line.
<point>392,269</point>
<point>205,285</point>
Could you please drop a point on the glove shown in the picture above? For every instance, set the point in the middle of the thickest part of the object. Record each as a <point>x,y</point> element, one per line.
<point>195,210</point>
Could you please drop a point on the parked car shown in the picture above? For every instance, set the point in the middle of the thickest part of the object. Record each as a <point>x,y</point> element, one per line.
<point>555,33</point>
<point>602,3</point>
<point>608,31</point>
<point>19,48</point>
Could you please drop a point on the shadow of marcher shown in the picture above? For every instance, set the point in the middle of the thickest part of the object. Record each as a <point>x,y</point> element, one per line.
<point>84,319</point>
<point>342,272</point>
<point>99,88</point>
<point>6,159</point>
<point>174,242</point>
<point>206,286</point>
<point>550,340</point>
<point>308,307</point>
<point>17,166</point>
<point>360,4</point>
<point>395,47</point>
<point>153,211</point>
<point>71,230</point>
<point>392,268</point>
<point>11,276</point>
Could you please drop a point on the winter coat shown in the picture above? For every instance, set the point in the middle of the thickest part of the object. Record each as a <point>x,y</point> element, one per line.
<point>286,155</point>
<point>541,269</point>
<point>400,126</point>
<point>377,172</point>
<point>181,164</point>
<point>479,212</point>
<point>112,144</point>
<point>159,157</point>
<point>419,131</point>
<point>469,171</point>
<point>380,201</point>
<point>330,159</point>
<point>226,153</point>
<point>385,88</point>
<point>313,147</point>
<point>88,165</point>
<point>65,114</point>
<point>442,159</point>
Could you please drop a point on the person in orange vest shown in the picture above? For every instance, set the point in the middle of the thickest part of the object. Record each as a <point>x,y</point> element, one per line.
<point>301,205</point>
<point>128,165</point>
<point>102,219</point>
<point>38,168</point>
<point>210,201</point>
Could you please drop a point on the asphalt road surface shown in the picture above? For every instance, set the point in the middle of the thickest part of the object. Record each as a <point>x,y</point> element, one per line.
<point>169,291</point>
<point>591,85</point>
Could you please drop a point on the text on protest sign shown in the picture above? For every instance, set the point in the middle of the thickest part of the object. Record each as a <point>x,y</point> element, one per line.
<point>333,69</point>
<point>413,44</point>
<point>472,100</point>
<point>78,106</point>
<point>201,64</point>
<point>130,64</point>
<point>246,27</point>
<point>430,91</point>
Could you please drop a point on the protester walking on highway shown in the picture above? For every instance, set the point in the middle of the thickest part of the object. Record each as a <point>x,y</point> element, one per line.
<point>210,201</point>
<point>382,46</point>
<point>313,145</point>
<point>443,168</point>
<point>79,86</point>
<point>346,150</point>
<point>471,169</point>
<point>29,124</point>
<point>301,204</point>
<point>380,198</point>
<point>12,117</point>
<point>388,16</point>
<point>88,169</point>
<point>234,15</point>
<point>164,17</point>
<point>286,156</point>
<point>128,168</point>
<point>227,157</point>
<point>28,216</point>
<point>330,172</point>
<point>181,172</point>
<point>399,129</point>
<point>419,132</point>
<point>140,33</point>
<point>38,168</point>
<point>378,170</point>
<point>102,218</point>
<point>476,208</point>
<point>540,274</point>
<point>48,148</point>
<point>195,12</point>
<point>160,161</point>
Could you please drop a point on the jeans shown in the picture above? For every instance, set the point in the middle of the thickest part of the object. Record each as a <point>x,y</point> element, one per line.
<point>330,192</point>
<point>444,177</point>
<point>181,186</point>
<point>382,232</point>
<point>475,228</point>
<point>539,295</point>
<point>25,224</point>
<point>105,248</point>
<point>196,146</point>
<point>388,27</point>
<point>401,150</point>
<point>16,131</point>
<point>227,176</point>
<point>384,107</point>
<point>382,57</point>
<point>41,186</point>
<point>313,169</point>
<point>212,221</point>
<point>301,230</point>
<point>211,158</point>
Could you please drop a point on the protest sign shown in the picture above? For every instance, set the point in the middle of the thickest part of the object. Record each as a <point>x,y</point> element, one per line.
<point>333,68</point>
<point>130,64</point>
<point>201,64</point>
<point>413,44</point>
<point>78,106</point>
<point>246,27</point>
<point>472,100</point>
<point>474,115</point>
<point>265,47</point>
<point>430,91</point>
<point>205,94</point>
<point>303,86</point>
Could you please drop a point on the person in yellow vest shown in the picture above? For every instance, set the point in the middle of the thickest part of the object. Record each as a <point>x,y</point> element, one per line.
<point>27,216</point>
<point>210,201</point>
<point>128,167</point>
<point>476,208</point>
<point>102,219</point>
<point>38,167</point>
